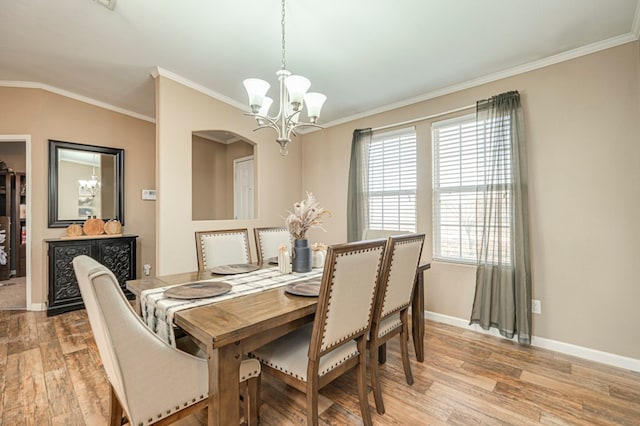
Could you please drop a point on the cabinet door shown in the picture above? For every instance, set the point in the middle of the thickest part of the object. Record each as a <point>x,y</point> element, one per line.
<point>119,255</point>
<point>63,286</point>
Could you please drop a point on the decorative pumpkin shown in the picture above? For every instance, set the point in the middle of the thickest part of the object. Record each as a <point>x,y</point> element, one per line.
<point>93,226</point>
<point>74,230</point>
<point>113,227</point>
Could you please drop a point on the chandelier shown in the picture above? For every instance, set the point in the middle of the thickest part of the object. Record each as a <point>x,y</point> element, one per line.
<point>91,186</point>
<point>293,93</point>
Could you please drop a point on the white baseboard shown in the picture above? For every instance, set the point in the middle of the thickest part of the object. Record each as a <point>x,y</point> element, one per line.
<point>38,307</point>
<point>541,342</point>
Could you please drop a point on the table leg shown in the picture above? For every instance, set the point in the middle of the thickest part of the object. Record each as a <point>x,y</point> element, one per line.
<point>417,313</point>
<point>224,388</point>
<point>136,306</point>
<point>382,353</point>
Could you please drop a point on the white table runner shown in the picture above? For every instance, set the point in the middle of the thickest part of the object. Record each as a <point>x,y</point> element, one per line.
<point>158,311</point>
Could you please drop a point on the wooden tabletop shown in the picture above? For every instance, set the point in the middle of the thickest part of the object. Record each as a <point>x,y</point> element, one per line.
<point>137,286</point>
<point>233,319</point>
<point>240,318</point>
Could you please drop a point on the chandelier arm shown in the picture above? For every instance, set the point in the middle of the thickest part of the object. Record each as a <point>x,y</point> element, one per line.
<point>306,125</point>
<point>272,120</point>
<point>283,123</point>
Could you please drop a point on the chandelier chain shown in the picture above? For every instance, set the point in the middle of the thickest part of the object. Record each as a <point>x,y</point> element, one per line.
<point>293,97</point>
<point>284,64</point>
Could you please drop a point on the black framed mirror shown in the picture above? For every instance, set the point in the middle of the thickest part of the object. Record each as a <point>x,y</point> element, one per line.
<point>84,181</point>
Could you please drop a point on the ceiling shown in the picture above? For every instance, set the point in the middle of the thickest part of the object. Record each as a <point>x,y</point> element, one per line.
<point>365,55</point>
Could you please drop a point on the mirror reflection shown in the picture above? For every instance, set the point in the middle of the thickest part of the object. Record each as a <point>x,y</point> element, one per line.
<point>85,185</point>
<point>223,173</point>
<point>85,181</point>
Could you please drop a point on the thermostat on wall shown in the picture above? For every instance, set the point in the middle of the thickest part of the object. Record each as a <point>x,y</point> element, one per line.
<point>148,194</point>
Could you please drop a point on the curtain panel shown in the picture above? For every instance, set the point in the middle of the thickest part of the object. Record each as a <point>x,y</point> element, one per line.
<point>503,276</point>
<point>357,202</point>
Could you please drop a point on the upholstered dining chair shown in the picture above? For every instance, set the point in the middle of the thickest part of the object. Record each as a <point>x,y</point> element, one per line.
<point>151,381</point>
<point>394,297</point>
<point>224,247</point>
<point>314,355</point>
<point>370,234</point>
<point>268,241</point>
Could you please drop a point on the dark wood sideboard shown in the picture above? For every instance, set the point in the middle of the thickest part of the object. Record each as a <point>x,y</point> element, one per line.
<point>118,253</point>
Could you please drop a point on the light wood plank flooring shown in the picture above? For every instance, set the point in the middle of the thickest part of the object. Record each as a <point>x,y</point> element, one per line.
<point>51,374</point>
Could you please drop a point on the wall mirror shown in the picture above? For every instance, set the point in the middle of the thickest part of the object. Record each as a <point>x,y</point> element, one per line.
<point>223,176</point>
<point>84,181</point>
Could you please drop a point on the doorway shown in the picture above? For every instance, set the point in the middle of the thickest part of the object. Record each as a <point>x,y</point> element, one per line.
<point>243,188</point>
<point>15,259</point>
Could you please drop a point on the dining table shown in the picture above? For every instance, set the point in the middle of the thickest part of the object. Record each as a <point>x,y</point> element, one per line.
<point>231,328</point>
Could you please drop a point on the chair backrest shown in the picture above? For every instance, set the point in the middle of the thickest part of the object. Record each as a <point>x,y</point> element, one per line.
<point>370,234</point>
<point>401,261</point>
<point>224,247</point>
<point>135,359</point>
<point>347,293</point>
<point>268,240</point>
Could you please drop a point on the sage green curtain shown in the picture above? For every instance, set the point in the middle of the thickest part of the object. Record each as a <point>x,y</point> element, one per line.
<point>357,202</point>
<point>503,276</point>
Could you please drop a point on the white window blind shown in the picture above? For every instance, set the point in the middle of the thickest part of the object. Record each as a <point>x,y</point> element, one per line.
<point>392,180</point>
<point>460,173</point>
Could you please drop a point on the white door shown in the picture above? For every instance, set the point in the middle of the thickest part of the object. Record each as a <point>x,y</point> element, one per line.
<point>243,188</point>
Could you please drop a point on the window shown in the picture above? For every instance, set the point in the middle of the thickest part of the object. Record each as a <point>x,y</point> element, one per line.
<point>459,159</point>
<point>392,180</point>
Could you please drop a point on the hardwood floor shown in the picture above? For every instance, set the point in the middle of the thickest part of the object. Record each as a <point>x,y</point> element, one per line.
<point>50,373</point>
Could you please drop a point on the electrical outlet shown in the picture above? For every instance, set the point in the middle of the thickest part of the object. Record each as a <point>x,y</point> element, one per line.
<point>536,306</point>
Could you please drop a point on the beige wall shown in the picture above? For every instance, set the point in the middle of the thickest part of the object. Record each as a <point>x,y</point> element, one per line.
<point>209,179</point>
<point>212,177</point>
<point>179,111</point>
<point>43,116</point>
<point>583,140</point>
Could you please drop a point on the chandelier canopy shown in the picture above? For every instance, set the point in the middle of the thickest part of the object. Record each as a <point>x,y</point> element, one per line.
<point>293,94</point>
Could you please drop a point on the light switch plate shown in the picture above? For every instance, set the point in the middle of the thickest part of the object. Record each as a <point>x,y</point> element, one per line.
<point>148,194</point>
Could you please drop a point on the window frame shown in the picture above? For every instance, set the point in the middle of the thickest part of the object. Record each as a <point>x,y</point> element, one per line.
<point>402,137</point>
<point>470,189</point>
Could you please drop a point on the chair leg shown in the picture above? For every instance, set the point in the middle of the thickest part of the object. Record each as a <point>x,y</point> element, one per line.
<point>382,353</point>
<point>252,401</point>
<point>115,409</point>
<point>404,347</point>
<point>375,378</point>
<point>361,374</point>
<point>312,401</point>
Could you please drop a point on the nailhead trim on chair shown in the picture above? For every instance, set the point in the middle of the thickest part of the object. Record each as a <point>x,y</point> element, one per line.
<point>254,373</point>
<point>178,408</point>
<point>202,237</point>
<point>395,308</point>
<point>264,231</point>
<point>392,326</point>
<point>320,373</point>
<point>324,344</point>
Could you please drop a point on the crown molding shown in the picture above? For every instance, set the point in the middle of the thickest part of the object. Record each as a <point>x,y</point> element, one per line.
<point>77,97</point>
<point>633,35</point>
<point>159,71</point>
<point>520,69</point>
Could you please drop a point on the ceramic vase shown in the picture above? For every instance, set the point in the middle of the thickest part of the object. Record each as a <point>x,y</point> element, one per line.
<point>301,261</point>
